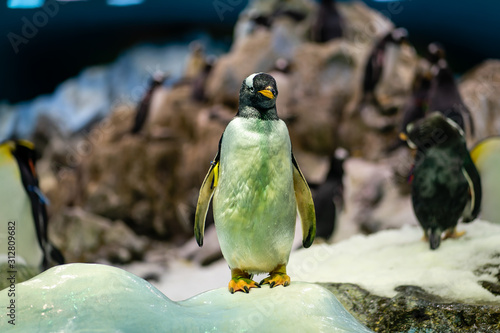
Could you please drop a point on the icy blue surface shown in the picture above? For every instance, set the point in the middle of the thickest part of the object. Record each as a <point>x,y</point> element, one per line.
<point>99,298</point>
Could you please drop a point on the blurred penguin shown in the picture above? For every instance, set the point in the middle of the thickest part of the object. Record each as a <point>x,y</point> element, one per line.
<point>328,197</point>
<point>418,102</point>
<point>23,203</point>
<point>415,107</point>
<point>446,185</point>
<point>196,61</point>
<point>435,52</point>
<point>328,22</point>
<point>444,97</point>
<point>144,106</point>
<point>200,81</point>
<point>379,61</point>
<point>486,157</point>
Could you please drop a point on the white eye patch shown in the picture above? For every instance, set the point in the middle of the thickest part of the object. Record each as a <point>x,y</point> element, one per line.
<point>249,79</point>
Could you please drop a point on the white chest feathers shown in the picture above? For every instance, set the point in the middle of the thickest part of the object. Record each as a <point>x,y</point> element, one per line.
<point>254,202</point>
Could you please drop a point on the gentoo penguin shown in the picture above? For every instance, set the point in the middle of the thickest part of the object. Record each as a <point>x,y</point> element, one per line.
<point>257,188</point>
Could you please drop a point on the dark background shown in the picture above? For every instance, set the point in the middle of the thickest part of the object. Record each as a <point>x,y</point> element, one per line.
<point>85,33</point>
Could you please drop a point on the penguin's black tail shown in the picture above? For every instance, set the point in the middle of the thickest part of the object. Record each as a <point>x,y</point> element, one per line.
<point>434,238</point>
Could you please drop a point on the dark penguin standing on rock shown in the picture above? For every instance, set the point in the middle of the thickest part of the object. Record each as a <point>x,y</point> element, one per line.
<point>446,185</point>
<point>377,61</point>
<point>328,197</point>
<point>445,97</point>
<point>328,23</point>
<point>143,108</point>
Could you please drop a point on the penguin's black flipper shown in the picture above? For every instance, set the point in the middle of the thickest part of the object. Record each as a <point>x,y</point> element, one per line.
<point>305,205</point>
<point>25,155</point>
<point>473,206</point>
<point>206,193</point>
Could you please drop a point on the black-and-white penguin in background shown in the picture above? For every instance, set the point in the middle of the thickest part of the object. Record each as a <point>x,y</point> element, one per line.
<point>327,23</point>
<point>446,185</point>
<point>378,61</point>
<point>142,112</point>
<point>444,97</point>
<point>23,203</point>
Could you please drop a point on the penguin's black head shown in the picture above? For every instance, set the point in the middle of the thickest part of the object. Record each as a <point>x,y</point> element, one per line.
<point>433,130</point>
<point>259,92</point>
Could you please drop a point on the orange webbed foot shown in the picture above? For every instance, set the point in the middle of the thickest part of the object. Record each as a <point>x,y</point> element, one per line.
<point>241,281</point>
<point>277,277</point>
<point>453,233</point>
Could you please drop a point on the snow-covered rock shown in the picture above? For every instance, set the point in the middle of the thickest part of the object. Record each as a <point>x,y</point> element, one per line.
<point>383,261</point>
<point>87,297</point>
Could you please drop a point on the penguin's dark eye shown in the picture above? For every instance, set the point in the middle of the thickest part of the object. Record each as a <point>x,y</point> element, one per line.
<point>251,89</point>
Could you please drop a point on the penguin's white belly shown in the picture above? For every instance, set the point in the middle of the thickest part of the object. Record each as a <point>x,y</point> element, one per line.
<point>254,201</point>
<point>16,207</point>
